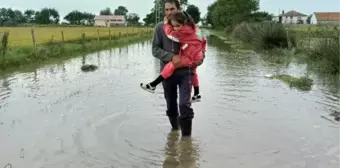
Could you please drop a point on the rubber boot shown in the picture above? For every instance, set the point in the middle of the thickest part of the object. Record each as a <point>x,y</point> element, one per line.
<point>186,127</point>
<point>174,123</point>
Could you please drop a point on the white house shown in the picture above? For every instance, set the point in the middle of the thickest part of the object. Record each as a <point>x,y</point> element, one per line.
<point>294,17</point>
<point>109,20</point>
<point>325,18</point>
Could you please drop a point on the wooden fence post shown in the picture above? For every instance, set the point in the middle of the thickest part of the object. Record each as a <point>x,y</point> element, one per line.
<point>109,35</point>
<point>98,36</point>
<point>52,39</point>
<point>33,38</point>
<point>83,40</point>
<point>62,37</point>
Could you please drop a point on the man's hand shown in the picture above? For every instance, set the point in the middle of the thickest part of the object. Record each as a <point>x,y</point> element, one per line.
<point>176,60</point>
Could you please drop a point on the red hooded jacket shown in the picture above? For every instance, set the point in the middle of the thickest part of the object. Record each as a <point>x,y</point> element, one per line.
<point>192,48</point>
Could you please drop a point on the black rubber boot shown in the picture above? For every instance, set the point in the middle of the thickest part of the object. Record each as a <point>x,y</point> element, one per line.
<point>174,123</point>
<point>186,126</point>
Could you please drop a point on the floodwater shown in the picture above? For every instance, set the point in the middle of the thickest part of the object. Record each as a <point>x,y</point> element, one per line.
<point>57,116</point>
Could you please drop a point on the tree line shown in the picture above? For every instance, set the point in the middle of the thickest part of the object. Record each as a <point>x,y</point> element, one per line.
<point>193,10</point>
<point>228,13</point>
<point>46,16</point>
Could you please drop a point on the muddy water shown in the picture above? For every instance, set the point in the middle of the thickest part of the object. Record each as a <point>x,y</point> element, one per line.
<point>58,116</point>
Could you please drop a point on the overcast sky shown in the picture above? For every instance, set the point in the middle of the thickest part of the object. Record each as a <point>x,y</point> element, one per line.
<point>142,7</point>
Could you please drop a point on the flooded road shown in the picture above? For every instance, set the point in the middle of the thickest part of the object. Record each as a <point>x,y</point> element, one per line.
<point>58,116</point>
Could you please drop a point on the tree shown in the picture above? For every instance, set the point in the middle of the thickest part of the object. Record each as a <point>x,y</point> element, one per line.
<point>89,18</point>
<point>228,13</point>
<point>106,11</point>
<point>260,17</point>
<point>47,16</point>
<point>280,17</point>
<point>194,12</point>
<point>151,17</point>
<point>183,2</point>
<point>29,15</point>
<point>9,17</point>
<point>79,18</point>
<point>121,10</point>
<point>75,17</point>
<point>209,17</point>
<point>309,19</point>
<point>132,18</point>
<point>19,17</point>
<point>204,20</point>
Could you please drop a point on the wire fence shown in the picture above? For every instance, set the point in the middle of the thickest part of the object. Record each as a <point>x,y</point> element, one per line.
<point>31,37</point>
<point>29,40</point>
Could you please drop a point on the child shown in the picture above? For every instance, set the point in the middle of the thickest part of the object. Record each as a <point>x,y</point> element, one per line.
<point>182,30</point>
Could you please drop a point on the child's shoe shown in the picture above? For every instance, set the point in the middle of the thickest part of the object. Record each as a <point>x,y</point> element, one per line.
<point>196,98</point>
<point>148,87</point>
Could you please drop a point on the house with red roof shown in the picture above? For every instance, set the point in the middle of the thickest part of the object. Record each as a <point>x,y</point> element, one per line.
<point>325,18</point>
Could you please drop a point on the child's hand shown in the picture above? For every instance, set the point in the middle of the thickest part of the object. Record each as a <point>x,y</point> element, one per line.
<point>165,20</point>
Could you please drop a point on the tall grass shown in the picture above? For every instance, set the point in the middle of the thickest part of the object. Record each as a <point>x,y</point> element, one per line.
<point>326,52</point>
<point>264,35</point>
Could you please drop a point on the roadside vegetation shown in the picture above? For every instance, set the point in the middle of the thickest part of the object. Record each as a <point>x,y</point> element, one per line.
<point>20,54</point>
<point>302,83</point>
<point>242,21</point>
<point>33,36</point>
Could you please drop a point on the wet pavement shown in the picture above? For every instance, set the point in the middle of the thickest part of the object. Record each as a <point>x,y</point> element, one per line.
<point>58,116</point>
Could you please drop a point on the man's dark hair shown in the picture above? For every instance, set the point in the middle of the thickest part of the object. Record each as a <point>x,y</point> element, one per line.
<point>176,2</point>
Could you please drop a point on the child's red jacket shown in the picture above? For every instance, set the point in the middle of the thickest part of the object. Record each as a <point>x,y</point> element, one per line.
<point>192,48</point>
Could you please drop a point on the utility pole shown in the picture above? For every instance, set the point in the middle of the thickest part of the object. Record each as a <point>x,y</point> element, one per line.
<point>157,12</point>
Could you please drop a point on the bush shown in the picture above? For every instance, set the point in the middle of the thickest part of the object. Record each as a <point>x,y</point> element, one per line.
<point>327,52</point>
<point>264,35</point>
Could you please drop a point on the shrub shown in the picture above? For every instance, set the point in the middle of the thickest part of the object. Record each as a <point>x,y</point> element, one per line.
<point>264,35</point>
<point>327,51</point>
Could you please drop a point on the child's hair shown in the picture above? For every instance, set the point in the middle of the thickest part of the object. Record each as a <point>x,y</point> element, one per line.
<point>183,18</point>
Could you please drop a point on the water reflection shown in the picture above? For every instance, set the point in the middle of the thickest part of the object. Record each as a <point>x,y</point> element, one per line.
<point>180,152</point>
<point>5,92</point>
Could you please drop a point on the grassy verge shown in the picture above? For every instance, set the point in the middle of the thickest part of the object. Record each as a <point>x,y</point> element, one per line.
<point>325,56</point>
<point>22,56</point>
<point>280,44</point>
<point>264,35</point>
<point>269,39</point>
<point>302,83</point>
